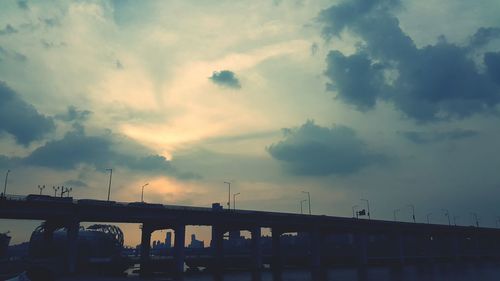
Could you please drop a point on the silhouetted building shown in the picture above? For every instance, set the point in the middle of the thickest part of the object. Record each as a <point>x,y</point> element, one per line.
<point>196,244</point>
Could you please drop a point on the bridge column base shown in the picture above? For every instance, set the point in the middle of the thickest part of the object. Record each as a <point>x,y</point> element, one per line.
<point>145,248</point>
<point>277,258</point>
<point>256,248</point>
<point>72,234</point>
<point>217,245</point>
<point>180,240</point>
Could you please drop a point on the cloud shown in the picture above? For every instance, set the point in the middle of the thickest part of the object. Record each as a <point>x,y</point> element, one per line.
<point>75,183</point>
<point>77,148</point>
<point>432,137</point>
<point>73,114</point>
<point>225,78</point>
<point>432,83</point>
<point>23,4</point>
<point>20,119</point>
<point>12,55</point>
<point>319,151</point>
<point>8,30</point>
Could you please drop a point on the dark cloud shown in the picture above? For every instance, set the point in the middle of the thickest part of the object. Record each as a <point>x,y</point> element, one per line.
<point>483,36</point>
<point>77,148</point>
<point>225,78</point>
<point>73,114</point>
<point>8,30</point>
<point>314,150</point>
<point>432,137</point>
<point>435,82</point>
<point>23,4</point>
<point>75,183</point>
<point>20,119</point>
<point>492,62</point>
<point>12,55</point>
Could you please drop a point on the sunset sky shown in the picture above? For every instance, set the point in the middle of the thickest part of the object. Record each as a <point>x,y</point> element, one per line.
<point>395,101</point>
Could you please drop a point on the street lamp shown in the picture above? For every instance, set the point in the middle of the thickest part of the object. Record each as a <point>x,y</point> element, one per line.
<point>309,200</point>
<point>228,195</point>
<point>412,211</point>
<point>395,213</point>
<point>474,215</point>
<point>354,212</point>
<point>41,188</point>
<point>142,192</point>
<point>447,214</point>
<point>5,185</point>
<point>55,190</point>
<point>428,218</point>
<point>301,208</point>
<point>234,200</point>
<point>110,176</point>
<point>455,220</point>
<point>367,206</point>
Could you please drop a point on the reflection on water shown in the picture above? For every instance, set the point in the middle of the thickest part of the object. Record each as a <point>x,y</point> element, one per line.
<point>424,272</point>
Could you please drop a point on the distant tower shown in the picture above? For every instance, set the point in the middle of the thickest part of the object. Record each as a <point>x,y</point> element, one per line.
<point>168,239</point>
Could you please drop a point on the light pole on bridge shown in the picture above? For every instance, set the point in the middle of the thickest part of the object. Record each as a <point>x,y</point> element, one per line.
<point>367,206</point>
<point>428,218</point>
<point>308,199</point>
<point>234,200</point>
<point>447,214</point>
<point>395,212</point>
<point>354,212</point>
<point>301,206</point>
<point>5,185</point>
<point>41,188</point>
<point>110,176</point>
<point>476,220</point>
<point>412,212</point>
<point>142,192</point>
<point>228,195</point>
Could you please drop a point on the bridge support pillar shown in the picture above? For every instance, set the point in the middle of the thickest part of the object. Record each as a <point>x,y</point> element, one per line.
<point>277,258</point>
<point>179,242</point>
<point>361,240</point>
<point>72,234</point>
<point>400,247</point>
<point>217,246</point>
<point>48,235</point>
<point>316,239</point>
<point>145,248</point>
<point>455,246</point>
<point>256,248</point>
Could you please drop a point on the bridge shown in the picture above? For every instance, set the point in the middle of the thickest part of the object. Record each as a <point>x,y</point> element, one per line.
<point>69,213</point>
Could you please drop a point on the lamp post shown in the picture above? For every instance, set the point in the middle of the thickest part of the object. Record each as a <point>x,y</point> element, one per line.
<point>395,213</point>
<point>447,214</point>
<point>354,212</point>
<point>309,200</point>
<point>110,176</point>
<point>142,192</point>
<point>5,185</point>
<point>234,200</point>
<point>412,211</point>
<point>367,206</point>
<point>41,188</point>
<point>228,195</point>
<point>301,208</point>
<point>55,190</point>
<point>474,215</point>
<point>428,218</point>
<point>455,220</point>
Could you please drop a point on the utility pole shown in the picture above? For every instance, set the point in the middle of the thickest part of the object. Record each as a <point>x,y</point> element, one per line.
<point>455,220</point>
<point>309,199</point>
<point>474,215</point>
<point>228,195</point>
<point>301,208</point>
<point>110,176</point>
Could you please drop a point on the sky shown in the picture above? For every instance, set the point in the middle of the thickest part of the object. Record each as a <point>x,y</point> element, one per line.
<point>394,101</point>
